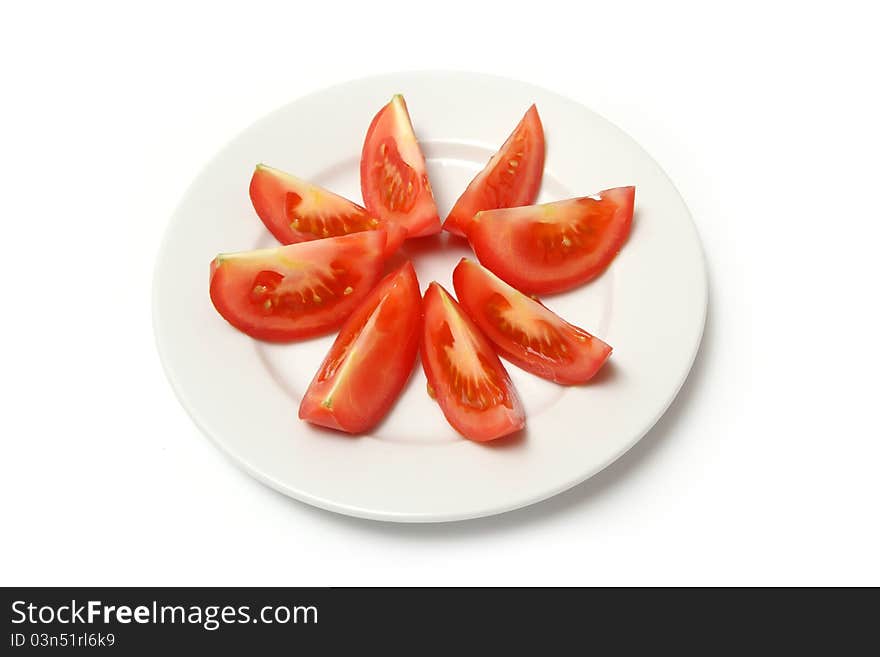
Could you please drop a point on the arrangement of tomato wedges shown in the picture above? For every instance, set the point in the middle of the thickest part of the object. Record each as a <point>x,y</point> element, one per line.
<point>328,275</point>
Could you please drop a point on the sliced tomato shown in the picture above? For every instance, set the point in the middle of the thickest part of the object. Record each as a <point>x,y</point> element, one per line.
<point>299,290</point>
<point>394,179</point>
<point>464,374</point>
<point>525,331</point>
<point>297,211</point>
<point>371,359</point>
<point>510,179</point>
<point>555,246</point>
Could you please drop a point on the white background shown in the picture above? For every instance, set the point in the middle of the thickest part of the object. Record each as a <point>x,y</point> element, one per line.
<point>764,471</point>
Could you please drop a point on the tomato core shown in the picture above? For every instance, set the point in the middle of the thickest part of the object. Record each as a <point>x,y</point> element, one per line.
<point>325,223</point>
<point>541,338</point>
<point>480,389</point>
<point>560,237</point>
<point>272,296</point>
<point>397,182</point>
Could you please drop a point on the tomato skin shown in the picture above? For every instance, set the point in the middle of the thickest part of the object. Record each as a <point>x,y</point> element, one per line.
<point>394,178</point>
<point>299,290</point>
<point>283,201</point>
<point>494,409</point>
<point>526,332</point>
<point>511,178</point>
<point>541,249</point>
<point>381,335</point>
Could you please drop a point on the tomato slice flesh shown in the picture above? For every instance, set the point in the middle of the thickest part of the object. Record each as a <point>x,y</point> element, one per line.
<point>526,332</point>
<point>394,177</point>
<point>295,210</point>
<point>381,335</point>
<point>511,178</point>
<point>464,374</point>
<point>555,246</point>
<point>296,291</point>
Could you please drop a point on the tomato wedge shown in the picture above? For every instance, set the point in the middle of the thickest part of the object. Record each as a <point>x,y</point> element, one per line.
<point>394,179</point>
<point>555,246</point>
<point>525,331</point>
<point>464,374</point>
<point>510,179</point>
<point>297,211</point>
<point>299,290</point>
<point>371,359</point>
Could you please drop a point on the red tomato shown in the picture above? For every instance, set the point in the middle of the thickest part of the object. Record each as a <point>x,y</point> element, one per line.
<point>510,179</point>
<point>464,374</point>
<point>556,246</point>
<point>297,211</point>
<point>371,359</point>
<point>525,331</point>
<point>394,180</point>
<point>299,290</point>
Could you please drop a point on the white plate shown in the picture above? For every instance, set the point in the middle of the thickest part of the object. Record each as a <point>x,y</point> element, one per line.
<point>650,306</point>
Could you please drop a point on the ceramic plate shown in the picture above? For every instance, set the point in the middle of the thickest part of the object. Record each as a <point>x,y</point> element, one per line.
<point>649,305</point>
